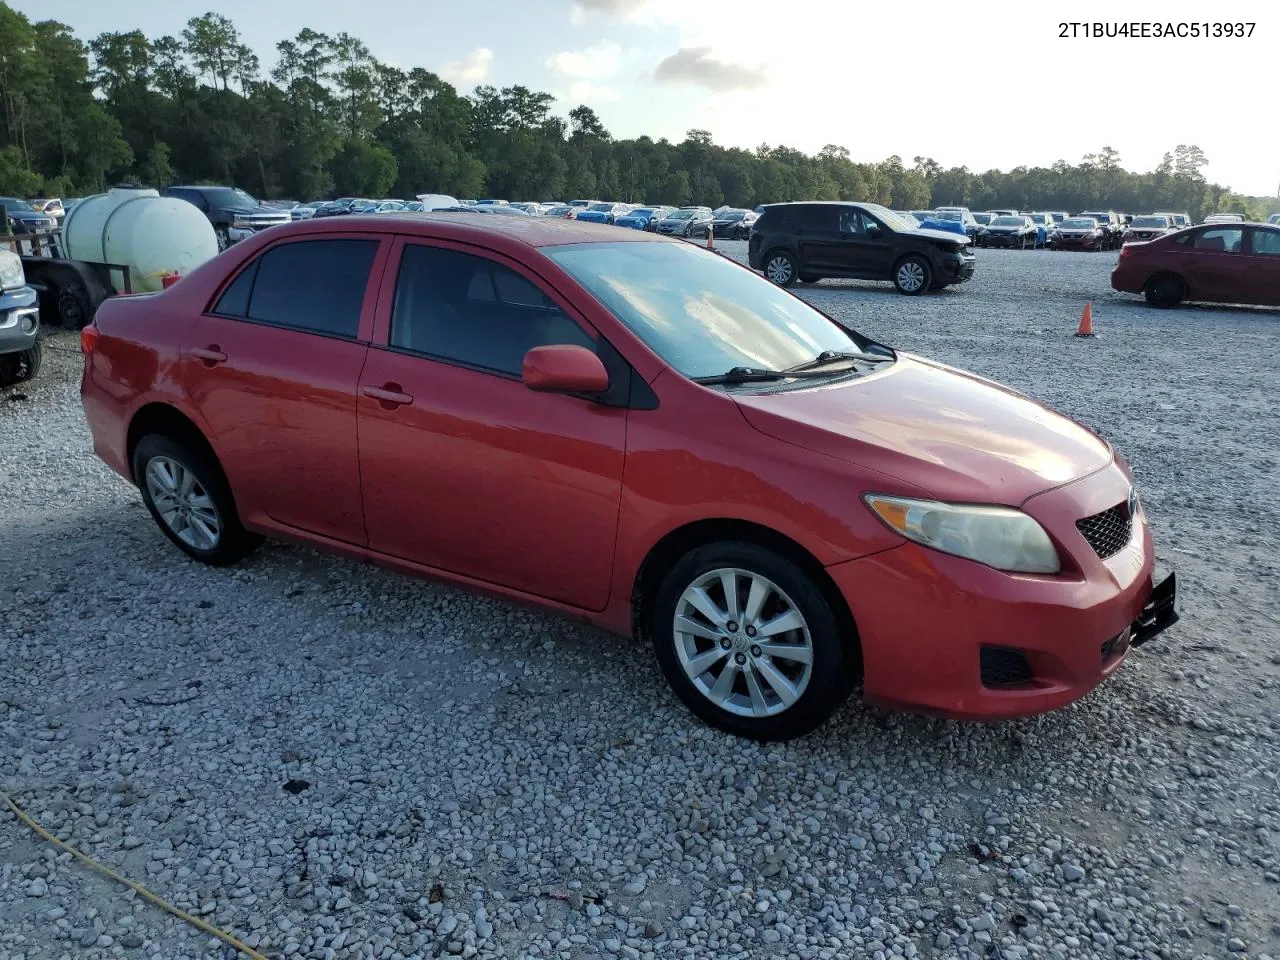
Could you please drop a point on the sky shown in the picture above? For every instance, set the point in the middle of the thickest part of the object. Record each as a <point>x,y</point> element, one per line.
<point>981,84</point>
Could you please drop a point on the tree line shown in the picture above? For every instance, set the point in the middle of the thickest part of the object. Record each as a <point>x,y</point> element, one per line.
<point>329,119</point>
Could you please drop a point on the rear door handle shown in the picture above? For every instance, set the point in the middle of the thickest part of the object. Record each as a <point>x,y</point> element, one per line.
<point>390,395</point>
<point>210,355</point>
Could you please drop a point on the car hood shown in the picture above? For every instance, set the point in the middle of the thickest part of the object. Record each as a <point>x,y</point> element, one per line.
<point>934,234</point>
<point>959,436</point>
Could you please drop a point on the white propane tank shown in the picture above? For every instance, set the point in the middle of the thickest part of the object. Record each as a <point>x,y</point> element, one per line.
<point>150,234</point>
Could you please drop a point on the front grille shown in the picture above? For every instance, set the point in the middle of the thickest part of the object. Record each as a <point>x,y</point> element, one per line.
<point>1107,532</point>
<point>1002,667</point>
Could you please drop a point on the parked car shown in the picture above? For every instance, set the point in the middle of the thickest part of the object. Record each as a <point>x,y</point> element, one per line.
<point>604,212</point>
<point>1109,221</point>
<point>235,215</point>
<point>960,215</point>
<point>685,222</point>
<point>1274,218</point>
<point>381,206</point>
<point>1147,228</point>
<point>50,207</point>
<point>983,218</point>
<point>922,215</point>
<point>19,323</point>
<point>626,430</point>
<point>1018,232</point>
<point>732,223</point>
<point>340,207</point>
<point>1225,218</point>
<point>305,211</point>
<point>1216,263</point>
<point>414,206</point>
<point>533,209</point>
<point>582,203</point>
<point>1060,215</point>
<point>564,212</point>
<point>1078,233</point>
<point>865,241</point>
<point>25,219</point>
<point>501,203</point>
<point>1005,213</point>
<point>940,220</point>
<point>1045,223</point>
<point>439,201</point>
<point>642,218</point>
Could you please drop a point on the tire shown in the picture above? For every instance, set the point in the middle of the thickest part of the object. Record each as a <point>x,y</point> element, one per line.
<point>1165,290</point>
<point>160,461</point>
<point>780,268</point>
<point>75,309</point>
<point>762,713</point>
<point>224,238</point>
<point>808,278</point>
<point>912,275</point>
<point>21,366</point>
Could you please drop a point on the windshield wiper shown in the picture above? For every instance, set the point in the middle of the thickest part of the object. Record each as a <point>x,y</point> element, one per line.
<point>755,375</point>
<point>835,356</point>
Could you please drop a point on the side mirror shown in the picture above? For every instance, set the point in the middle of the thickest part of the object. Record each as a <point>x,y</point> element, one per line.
<point>564,368</point>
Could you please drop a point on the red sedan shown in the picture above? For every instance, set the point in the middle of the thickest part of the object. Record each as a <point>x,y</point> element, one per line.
<point>642,434</point>
<point>1215,263</point>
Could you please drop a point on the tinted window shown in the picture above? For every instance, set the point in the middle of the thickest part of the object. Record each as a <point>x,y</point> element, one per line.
<point>234,301</point>
<point>315,285</point>
<point>1223,239</point>
<point>1266,242</point>
<point>465,308</point>
<point>850,221</point>
<point>815,217</point>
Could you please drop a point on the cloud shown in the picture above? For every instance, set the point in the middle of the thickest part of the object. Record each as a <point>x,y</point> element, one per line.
<point>593,63</point>
<point>584,92</point>
<point>696,66</point>
<point>611,8</point>
<point>470,70</point>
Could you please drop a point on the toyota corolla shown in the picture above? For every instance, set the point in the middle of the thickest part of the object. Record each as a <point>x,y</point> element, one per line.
<point>643,434</point>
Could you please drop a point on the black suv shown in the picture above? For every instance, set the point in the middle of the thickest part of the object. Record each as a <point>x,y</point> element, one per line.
<point>864,241</point>
<point>234,214</point>
<point>1112,227</point>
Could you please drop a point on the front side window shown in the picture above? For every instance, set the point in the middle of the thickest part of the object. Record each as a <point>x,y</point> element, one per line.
<point>1266,243</point>
<point>1220,240</point>
<point>698,311</point>
<point>473,311</point>
<point>312,285</point>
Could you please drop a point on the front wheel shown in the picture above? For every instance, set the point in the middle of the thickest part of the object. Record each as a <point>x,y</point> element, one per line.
<point>21,366</point>
<point>749,643</point>
<point>188,497</point>
<point>780,268</point>
<point>224,238</point>
<point>912,275</point>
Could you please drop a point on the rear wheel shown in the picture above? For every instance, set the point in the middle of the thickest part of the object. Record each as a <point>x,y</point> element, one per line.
<point>74,307</point>
<point>780,268</point>
<point>1165,290</point>
<point>21,366</point>
<point>912,275</point>
<point>749,643</point>
<point>188,497</point>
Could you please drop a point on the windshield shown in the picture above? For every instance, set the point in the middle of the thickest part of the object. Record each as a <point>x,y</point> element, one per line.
<point>680,215</point>
<point>1079,223</point>
<point>229,197</point>
<point>982,218</point>
<point>13,203</point>
<point>731,215</point>
<point>701,313</point>
<point>601,207</point>
<point>1157,222</point>
<point>1007,222</point>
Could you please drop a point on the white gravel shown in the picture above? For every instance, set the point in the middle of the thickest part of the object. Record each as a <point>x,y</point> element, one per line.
<point>336,762</point>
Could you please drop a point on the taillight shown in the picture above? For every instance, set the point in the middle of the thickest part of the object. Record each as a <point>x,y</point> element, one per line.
<point>89,339</point>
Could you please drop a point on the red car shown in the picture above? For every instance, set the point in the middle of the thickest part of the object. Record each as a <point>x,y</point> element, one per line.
<point>1217,263</point>
<point>1078,233</point>
<point>642,434</point>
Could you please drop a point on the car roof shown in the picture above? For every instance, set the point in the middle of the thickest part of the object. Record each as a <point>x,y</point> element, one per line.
<point>493,232</point>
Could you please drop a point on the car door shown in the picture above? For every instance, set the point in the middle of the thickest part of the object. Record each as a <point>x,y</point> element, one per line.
<point>273,366</point>
<point>464,468</point>
<point>1260,276</point>
<point>866,245</point>
<point>817,239</point>
<point>1215,264</point>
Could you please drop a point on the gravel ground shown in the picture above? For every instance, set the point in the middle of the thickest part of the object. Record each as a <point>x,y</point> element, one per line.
<point>333,761</point>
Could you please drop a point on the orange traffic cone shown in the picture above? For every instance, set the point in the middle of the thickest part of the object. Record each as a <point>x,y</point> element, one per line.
<point>1086,322</point>
<point>711,237</point>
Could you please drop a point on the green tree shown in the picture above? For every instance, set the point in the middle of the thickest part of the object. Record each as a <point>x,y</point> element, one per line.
<point>364,169</point>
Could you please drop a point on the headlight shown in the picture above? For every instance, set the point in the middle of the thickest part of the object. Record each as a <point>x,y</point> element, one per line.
<point>239,223</point>
<point>11,275</point>
<point>1000,537</point>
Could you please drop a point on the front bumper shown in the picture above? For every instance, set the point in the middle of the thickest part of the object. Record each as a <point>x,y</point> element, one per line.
<point>931,624</point>
<point>958,269</point>
<point>1003,240</point>
<point>19,319</point>
<point>1075,243</point>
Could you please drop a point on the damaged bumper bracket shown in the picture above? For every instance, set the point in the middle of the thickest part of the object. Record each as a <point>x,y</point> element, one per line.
<point>1159,614</point>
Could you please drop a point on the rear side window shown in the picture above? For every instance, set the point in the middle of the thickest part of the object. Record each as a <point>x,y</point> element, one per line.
<point>313,285</point>
<point>775,218</point>
<point>817,217</point>
<point>473,311</point>
<point>1266,243</point>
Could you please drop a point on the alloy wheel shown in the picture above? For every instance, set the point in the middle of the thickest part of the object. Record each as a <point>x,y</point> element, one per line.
<point>183,503</point>
<point>911,276</point>
<point>743,643</point>
<point>778,270</point>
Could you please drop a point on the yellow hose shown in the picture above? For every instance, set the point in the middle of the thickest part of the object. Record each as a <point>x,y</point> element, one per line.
<point>136,887</point>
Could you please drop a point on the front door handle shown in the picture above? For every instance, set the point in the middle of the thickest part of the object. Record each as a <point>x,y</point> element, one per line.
<point>209,355</point>
<point>390,395</point>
